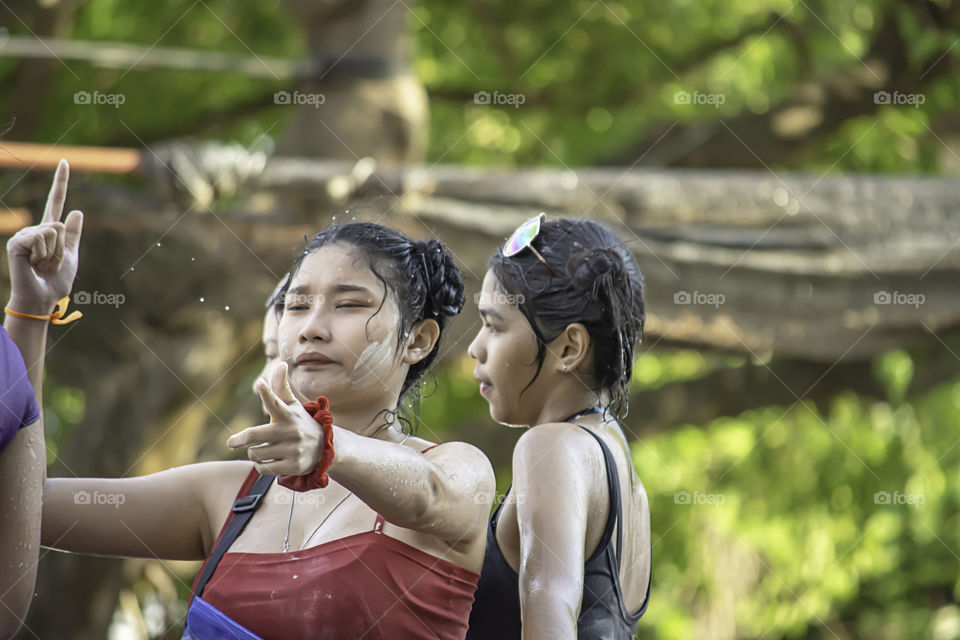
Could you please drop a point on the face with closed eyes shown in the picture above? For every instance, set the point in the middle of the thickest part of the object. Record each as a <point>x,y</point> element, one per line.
<point>338,331</point>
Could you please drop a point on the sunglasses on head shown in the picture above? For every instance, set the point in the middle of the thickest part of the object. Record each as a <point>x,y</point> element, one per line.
<point>523,238</point>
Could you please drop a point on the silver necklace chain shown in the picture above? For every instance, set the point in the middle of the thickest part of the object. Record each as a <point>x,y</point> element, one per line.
<point>293,500</point>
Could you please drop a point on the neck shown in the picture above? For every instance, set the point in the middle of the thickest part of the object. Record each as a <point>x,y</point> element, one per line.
<point>565,398</point>
<point>366,421</point>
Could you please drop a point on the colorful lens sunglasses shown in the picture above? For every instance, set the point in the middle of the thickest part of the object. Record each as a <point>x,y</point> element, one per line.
<point>523,238</point>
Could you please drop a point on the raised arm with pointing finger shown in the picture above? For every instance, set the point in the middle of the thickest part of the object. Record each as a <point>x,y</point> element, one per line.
<point>43,263</point>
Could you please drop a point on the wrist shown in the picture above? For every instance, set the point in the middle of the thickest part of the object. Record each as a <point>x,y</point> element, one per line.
<point>30,306</point>
<point>316,478</point>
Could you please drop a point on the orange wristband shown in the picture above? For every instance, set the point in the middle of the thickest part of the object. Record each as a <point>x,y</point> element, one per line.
<point>318,479</point>
<point>56,317</point>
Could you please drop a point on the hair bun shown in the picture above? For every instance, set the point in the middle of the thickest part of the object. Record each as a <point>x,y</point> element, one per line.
<point>445,296</point>
<point>596,269</point>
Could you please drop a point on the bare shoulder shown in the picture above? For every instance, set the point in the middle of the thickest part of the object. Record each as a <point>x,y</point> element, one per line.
<point>217,474</point>
<point>464,455</point>
<point>221,476</point>
<point>460,450</point>
<point>554,440</point>
<point>221,481</point>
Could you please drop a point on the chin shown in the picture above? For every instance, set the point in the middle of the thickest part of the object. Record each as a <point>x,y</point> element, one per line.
<point>309,389</point>
<point>504,418</point>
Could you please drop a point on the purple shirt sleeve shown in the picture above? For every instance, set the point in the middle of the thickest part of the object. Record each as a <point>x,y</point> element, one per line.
<point>18,406</point>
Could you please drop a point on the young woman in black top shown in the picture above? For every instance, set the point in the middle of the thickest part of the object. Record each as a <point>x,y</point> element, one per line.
<point>568,549</point>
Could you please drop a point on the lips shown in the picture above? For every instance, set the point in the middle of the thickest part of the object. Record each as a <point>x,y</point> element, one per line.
<point>312,358</point>
<point>484,383</point>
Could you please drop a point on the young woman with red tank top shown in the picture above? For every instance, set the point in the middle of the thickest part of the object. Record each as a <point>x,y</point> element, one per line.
<point>568,549</point>
<point>344,526</point>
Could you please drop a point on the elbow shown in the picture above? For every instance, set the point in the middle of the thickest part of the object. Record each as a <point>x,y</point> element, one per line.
<point>424,505</point>
<point>421,507</point>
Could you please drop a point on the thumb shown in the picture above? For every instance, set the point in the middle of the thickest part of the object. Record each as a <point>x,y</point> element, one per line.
<point>281,384</point>
<point>72,231</point>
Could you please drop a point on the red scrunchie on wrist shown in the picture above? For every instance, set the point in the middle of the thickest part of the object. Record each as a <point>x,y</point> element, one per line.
<point>320,410</point>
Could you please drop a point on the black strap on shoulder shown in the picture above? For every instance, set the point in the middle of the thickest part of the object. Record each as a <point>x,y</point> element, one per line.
<point>495,518</point>
<point>243,510</point>
<point>613,487</point>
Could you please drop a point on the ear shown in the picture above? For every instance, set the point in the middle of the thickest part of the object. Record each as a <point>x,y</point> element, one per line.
<point>423,337</point>
<point>571,349</point>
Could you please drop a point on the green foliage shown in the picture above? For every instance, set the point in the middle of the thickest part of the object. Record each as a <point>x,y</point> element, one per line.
<point>790,522</point>
<point>652,370</point>
<point>63,407</point>
<point>595,77</point>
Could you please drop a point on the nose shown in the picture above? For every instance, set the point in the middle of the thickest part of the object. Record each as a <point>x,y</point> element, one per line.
<point>315,327</point>
<point>475,350</point>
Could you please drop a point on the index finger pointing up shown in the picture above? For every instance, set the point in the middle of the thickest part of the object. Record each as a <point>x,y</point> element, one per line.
<point>58,193</point>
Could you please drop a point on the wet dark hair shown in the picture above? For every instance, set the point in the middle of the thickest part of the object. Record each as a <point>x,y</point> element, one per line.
<point>597,283</point>
<point>421,275</point>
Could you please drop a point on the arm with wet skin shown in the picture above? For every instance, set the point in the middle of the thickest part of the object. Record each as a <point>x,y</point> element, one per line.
<point>552,510</point>
<point>446,492</point>
<point>40,275</point>
<point>161,515</point>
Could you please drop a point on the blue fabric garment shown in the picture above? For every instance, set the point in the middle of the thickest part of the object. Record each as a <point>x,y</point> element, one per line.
<point>206,622</point>
<point>18,405</point>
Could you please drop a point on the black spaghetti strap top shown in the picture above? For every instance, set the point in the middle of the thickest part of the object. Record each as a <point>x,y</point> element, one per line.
<point>603,616</point>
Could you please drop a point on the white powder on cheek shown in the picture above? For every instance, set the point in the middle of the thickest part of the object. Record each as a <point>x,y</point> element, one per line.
<point>374,358</point>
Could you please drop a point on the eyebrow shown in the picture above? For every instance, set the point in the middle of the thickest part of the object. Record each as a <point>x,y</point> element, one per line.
<point>298,290</point>
<point>340,288</point>
<point>351,288</point>
<point>490,313</point>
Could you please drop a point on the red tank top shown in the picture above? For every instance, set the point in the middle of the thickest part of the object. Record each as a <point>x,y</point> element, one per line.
<point>367,585</point>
